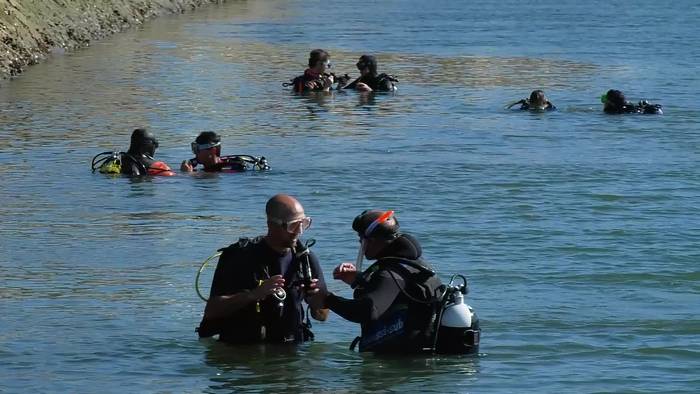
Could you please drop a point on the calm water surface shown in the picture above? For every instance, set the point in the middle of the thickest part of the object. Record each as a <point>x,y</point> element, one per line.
<point>579,232</point>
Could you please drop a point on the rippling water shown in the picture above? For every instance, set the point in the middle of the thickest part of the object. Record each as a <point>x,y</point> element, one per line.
<point>579,231</point>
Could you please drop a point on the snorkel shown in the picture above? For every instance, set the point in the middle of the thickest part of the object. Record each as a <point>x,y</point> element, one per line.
<point>361,252</point>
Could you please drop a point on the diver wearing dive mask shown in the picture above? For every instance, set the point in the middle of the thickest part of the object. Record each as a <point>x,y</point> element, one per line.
<point>369,80</point>
<point>207,150</point>
<point>260,284</point>
<point>614,102</point>
<point>537,102</point>
<point>393,298</point>
<point>317,77</point>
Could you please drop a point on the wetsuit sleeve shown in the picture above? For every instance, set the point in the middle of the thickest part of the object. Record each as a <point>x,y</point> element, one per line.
<point>380,294</point>
<point>316,271</point>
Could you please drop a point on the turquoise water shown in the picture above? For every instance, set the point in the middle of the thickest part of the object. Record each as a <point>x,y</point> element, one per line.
<point>578,231</point>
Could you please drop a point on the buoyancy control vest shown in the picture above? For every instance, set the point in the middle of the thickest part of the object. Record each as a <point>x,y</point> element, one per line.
<point>408,325</point>
<point>427,316</point>
<point>236,163</point>
<point>270,319</point>
<point>311,82</point>
<point>125,163</point>
<point>382,82</point>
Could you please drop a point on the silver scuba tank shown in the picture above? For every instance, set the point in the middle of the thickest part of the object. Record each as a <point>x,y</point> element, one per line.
<point>458,331</point>
<point>457,314</point>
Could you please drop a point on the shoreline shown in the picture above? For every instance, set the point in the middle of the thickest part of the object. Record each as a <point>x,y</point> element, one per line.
<point>29,33</point>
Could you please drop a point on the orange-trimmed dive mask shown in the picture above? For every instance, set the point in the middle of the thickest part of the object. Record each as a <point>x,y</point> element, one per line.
<point>381,219</point>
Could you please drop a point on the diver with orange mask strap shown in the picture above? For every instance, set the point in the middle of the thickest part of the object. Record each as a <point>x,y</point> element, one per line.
<point>398,299</point>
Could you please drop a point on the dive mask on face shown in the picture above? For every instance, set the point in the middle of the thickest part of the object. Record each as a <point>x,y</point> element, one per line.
<point>196,148</point>
<point>294,226</point>
<point>604,98</point>
<point>367,233</point>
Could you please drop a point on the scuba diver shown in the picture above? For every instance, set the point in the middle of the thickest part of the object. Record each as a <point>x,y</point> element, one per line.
<point>259,284</point>
<point>315,78</point>
<point>400,303</point>
<point>207,151</point>
<point>369,80</point>
<point>537,102</point>
<point>137,161</point>
<point>614,103</point>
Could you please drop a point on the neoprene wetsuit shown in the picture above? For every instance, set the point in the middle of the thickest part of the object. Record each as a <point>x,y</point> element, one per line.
<point>380,305</point>
<point>240,268</point>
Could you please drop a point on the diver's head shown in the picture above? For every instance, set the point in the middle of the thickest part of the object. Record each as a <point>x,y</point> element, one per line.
<point>538,100</point>
<point>286,221</point>
<point>143,142</point>
<point>377,230</point>
<point>207,148</point>
<point>613,101</point>
<point>319,61</point>
<point>367,65</point>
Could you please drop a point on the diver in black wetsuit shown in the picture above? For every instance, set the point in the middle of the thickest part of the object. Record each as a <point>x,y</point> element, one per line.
<point>260,284</point>
<point>391,298</point>
<point>614,103</point>
<point>207,150</point>
<point>537,102</point>
<point>370,81</point>
<point>137,161</point>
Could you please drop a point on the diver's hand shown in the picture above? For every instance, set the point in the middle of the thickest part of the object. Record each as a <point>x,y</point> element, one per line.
<point>267,287</point>
<point>186,166</point>
<point>345,272</point>
<point>312,288</point>
<point>317,301</point>
<point>362,87</point>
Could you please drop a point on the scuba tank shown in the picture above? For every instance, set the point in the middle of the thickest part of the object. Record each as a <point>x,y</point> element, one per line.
<point>107,163</point>
<point>457,330</point>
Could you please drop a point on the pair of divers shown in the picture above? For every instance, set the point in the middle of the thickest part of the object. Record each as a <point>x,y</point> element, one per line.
<point>318,78</point>
<point>399,301</point>
<point>139,159</point>
<point>613,100</point>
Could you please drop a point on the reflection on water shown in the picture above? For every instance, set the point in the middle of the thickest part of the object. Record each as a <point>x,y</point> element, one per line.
<point>313,367</point>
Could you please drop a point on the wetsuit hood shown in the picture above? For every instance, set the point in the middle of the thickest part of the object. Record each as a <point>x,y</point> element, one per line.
<point>143,142</point>
<point>404,246</point>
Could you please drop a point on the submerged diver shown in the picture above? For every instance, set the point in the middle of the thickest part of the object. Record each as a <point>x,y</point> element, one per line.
<point>137,161</point>
<point>369,80</point>
<point>315,78</point>
<point>259,284</point>
<point>614,103</point>
<point>396,300</point>
<point>537,102</point>
<point>207,150</point>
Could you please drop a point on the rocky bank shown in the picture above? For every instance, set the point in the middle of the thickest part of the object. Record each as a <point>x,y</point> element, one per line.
<point>31,29</point>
